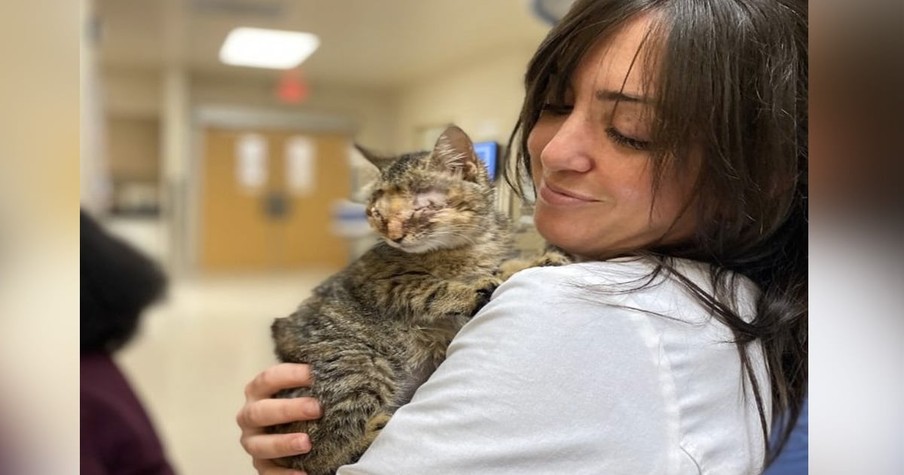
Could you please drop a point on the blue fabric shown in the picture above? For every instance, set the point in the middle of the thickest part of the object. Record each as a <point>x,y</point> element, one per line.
<point>793,459</point>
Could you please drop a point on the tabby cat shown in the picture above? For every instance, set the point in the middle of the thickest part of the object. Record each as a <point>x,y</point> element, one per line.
<point>376,330</point>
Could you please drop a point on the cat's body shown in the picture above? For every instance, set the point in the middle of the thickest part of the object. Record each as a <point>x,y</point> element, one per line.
<point>376,330</point>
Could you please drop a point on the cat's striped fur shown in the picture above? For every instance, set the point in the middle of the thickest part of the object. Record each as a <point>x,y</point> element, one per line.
<point>376,330</point>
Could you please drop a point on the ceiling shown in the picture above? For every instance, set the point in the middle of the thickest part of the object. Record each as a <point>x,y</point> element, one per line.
<point>373,43</point>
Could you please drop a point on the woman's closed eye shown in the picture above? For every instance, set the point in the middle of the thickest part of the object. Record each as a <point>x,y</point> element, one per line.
<point>625,141</point>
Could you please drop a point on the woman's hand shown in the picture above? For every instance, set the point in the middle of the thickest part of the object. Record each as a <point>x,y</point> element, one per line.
<point>261,410</point>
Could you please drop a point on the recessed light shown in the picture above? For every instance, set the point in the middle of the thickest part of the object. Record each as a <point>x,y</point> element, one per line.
<point>263,48</point>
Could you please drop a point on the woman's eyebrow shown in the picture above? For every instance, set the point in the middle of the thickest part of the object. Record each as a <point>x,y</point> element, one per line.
<point>620,96</point>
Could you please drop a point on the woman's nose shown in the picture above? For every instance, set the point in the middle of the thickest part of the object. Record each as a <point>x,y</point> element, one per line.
<point>571,146</point>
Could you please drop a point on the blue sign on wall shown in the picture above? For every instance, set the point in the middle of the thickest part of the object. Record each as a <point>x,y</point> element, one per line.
<point>488,152</point>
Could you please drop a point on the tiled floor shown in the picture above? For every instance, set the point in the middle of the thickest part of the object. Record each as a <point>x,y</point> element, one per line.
<point>194,355</point>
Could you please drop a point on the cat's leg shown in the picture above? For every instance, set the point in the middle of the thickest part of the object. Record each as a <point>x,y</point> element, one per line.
<point>458,297</point>
<point>512,266</point>
<point>374,425</point>
<point>355,398</point>
<point>354,384</point>
<point>341,438</point>
<point>550,257</point>
<point>429,298</point>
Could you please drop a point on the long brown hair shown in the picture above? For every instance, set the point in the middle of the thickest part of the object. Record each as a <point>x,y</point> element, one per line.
<point>731,82</point>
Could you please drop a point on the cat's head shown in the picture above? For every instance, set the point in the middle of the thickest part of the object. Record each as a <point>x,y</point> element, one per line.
<point>426,201</point>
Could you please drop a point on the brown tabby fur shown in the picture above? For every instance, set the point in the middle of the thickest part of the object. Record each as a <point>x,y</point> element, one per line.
<point>376,330</point>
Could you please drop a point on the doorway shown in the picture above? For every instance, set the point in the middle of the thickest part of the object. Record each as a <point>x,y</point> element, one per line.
<point>266,199</point>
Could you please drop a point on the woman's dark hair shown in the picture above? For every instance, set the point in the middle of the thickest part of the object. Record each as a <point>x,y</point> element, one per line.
<point>729,81</point>
<point>117,284</point>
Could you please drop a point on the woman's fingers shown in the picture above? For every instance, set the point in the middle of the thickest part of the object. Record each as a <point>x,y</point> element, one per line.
<point>268,412</point>
<point>275,378</point>
<point>261,410</point>
<point>270,446</point>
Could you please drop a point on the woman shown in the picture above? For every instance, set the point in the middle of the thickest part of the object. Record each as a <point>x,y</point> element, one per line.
<point>666,143</point>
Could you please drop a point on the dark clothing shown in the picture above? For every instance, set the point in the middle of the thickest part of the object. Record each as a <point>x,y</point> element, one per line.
<point>117,436</point>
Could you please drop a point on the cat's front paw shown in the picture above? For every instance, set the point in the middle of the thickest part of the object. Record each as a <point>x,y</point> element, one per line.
<point>485,286</point>
<point>375,424</point>
<point>553,257</point>
<point>465,297</point>
<point>511,267</point>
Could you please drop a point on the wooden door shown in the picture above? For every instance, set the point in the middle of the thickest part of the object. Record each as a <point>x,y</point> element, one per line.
<point>312,210</point>
<point>262,222</point>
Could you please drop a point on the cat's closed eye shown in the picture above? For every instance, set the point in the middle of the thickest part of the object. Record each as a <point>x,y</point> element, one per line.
<point>427,206</point>
<point>429,199</point>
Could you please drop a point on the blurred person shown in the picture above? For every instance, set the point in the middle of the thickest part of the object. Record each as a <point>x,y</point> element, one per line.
<point>667,144</point>
<point>117,284</point>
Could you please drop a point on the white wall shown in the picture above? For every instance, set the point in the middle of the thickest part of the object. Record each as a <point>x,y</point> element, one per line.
<point>94,179</point>
<point>132,93</point>
<point>482,97</point>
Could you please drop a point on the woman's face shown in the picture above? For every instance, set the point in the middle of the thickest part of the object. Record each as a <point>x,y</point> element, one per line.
<point>590,163</point>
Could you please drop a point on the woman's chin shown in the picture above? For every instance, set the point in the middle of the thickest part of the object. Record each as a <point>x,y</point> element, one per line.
<point>557,237</point>
<point>565,236</point>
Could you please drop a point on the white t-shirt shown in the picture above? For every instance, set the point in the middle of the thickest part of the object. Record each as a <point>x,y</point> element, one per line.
<point>556,376</point>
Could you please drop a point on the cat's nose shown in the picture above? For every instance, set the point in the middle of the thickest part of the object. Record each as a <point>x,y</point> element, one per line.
<point>395,230</point>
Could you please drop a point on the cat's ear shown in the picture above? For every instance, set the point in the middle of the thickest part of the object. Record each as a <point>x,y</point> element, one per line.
<point>454,152</point>
<point>378,161</point>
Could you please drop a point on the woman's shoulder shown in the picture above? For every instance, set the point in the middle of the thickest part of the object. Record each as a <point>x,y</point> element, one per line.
<point>618,270</point>
<point>611,270</point>
<point>625,274</point>
<point>638,283</point>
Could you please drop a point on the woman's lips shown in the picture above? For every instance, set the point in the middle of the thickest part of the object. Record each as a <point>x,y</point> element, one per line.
<point>556,196</point>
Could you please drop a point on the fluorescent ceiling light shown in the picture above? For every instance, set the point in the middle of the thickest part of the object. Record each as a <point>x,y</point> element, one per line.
<point>261,48</point>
